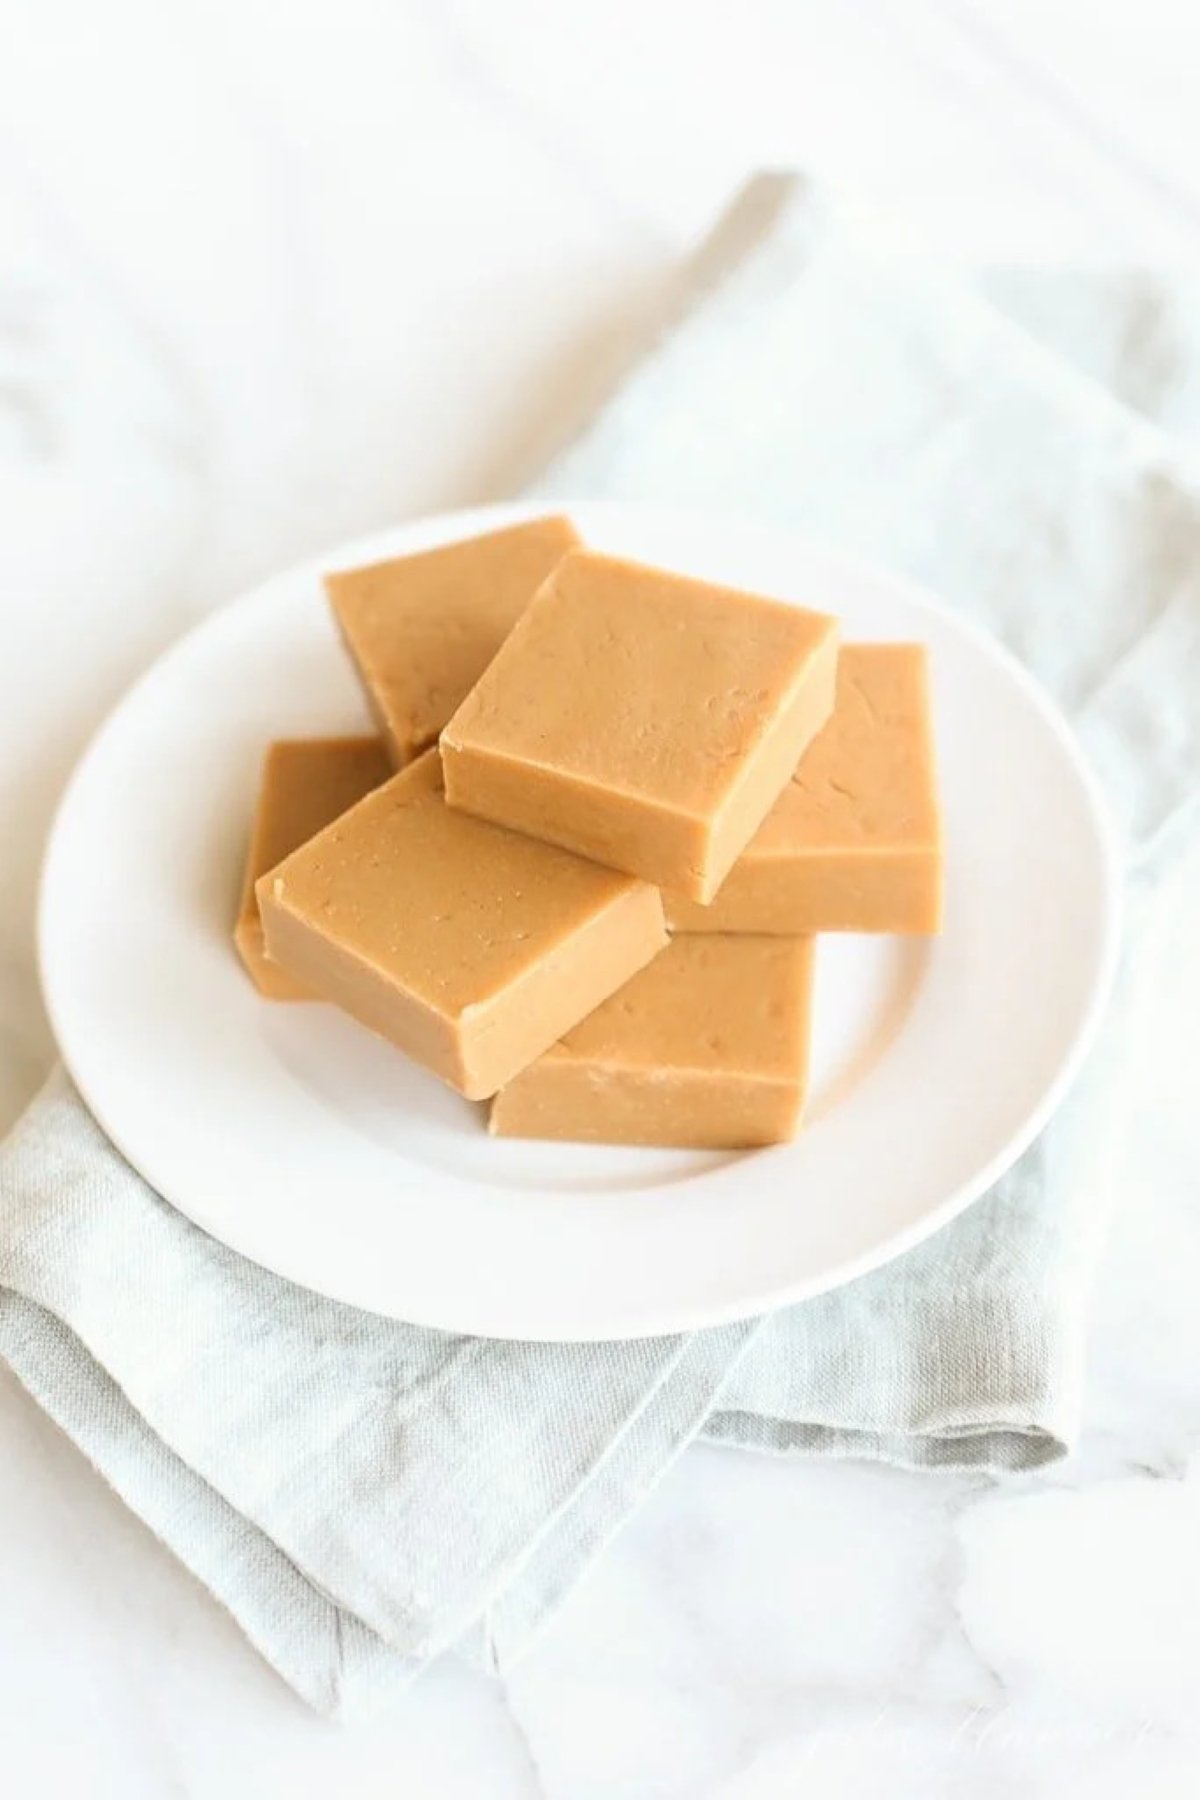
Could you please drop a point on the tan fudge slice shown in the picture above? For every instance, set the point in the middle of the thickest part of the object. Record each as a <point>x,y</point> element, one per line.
<point>469,946</point>
<point>422,629</point>
<point>854,843</point>
<point>643,719</point>
<point>707,1047</point>
<point>306,784</point>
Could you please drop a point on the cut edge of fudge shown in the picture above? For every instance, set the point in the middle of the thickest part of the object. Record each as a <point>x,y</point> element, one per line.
<point>474,1040</point>
<point>593,1088</point>
<point>363,761</point>
<point>614,817</point>
<point>894,882</point>
<point>405,739</point>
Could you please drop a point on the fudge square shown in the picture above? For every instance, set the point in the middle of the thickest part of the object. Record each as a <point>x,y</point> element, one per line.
<point>854,843</point>
<point>306,783</point>
<point>469,946</point>
<point>707,1047</point>
<point>643,719</point>
<point>422,629</point>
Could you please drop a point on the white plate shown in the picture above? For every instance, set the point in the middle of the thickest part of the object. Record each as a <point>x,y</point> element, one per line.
<point>320,1152</point>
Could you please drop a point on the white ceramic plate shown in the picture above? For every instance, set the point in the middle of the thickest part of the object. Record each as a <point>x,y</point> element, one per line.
<point>312,1147</point>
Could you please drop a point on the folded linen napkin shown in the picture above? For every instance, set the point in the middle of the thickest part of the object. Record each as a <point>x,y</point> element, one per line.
<point>363,1495</point>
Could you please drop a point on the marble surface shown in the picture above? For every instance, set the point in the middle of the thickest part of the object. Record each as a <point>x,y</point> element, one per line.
<point>273,274</point>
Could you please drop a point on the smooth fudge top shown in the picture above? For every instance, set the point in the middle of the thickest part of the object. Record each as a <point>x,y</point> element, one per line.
<point>868,776</point>
<point>854,841</point>
<point>636,679</point>
<point>642,717</point>
<point>708,1004</point>
<point>421,629</point>
<point>451,908</point>
<point>708,1047</point>
<point>305,784</point>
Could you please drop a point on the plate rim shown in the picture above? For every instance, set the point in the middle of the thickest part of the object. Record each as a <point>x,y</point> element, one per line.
<point>446,526</point>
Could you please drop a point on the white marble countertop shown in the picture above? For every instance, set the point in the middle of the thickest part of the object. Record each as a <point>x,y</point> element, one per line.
<point>271,274</point>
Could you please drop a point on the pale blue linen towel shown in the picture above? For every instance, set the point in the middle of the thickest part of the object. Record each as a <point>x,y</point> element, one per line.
<point>364,1495</point>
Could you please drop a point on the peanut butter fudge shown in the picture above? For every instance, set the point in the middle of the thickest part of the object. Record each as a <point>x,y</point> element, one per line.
<point>306,784</point>
<point>422,629</point>
<point>707,1047</point>
<point>471,947</point>
<point>642,718</point>
<point>854,842</point>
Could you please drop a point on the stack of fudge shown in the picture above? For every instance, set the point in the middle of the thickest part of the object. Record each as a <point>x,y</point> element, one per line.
<point>580,870</point>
